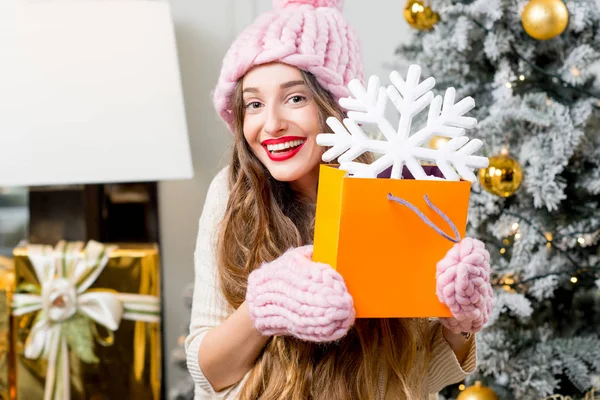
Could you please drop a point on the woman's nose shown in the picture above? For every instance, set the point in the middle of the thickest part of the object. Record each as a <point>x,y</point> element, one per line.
<point>275,121</point>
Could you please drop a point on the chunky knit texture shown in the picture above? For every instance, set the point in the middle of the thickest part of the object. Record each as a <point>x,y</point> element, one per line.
<point>463,284</point>
<point>310,35</point>
<point>339,4</point>
<point>296,296</point>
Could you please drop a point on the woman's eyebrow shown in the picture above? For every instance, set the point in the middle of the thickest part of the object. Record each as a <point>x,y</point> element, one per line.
<point>291,84</point>
<point>285,85</point>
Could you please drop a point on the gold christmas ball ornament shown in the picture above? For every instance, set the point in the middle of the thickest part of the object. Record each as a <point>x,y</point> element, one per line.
<point>545,19</point>
<point>502,177</point>
<point>437,142</point>
<point>477,392</point>
<point>420,16</point>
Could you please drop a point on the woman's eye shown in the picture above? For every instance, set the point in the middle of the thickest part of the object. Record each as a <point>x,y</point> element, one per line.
<point>253,105</point>
<point>297,99</point>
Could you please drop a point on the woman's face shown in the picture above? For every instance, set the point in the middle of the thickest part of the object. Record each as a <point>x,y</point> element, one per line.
<point>281,123</point>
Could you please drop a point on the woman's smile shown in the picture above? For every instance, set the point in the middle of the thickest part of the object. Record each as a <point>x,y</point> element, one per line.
<point>283,148</point>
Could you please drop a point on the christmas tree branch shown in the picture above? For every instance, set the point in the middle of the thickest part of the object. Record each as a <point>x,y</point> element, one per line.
<point>577,268</point>
<point>537,277</point>
<point>568,235</point>
<point>542,70</point>
<point>558,249</point>
<point>528,221</point>
<point>534,278</point>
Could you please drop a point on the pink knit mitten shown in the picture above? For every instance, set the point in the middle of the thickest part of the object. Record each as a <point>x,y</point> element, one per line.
<point>463,284</point>
<point>295,296</point>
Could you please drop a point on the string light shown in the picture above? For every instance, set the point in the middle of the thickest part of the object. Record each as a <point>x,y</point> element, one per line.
<point>504,151</point>
<point>517,236</point>
<point>581,241</point>
<point>575,71</point>
<point>549,238</point>
<point>508,85</point>
<point>506,281</point>
<point>574,279</point>
<point>515,226</point>
<point>461,387</point>
<point>502,250</point>
<point>522,77</point>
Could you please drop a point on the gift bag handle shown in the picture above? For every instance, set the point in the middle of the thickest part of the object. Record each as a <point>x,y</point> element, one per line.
<point>403,202</point>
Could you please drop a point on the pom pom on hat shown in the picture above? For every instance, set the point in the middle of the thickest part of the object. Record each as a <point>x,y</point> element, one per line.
<point>339,4</point>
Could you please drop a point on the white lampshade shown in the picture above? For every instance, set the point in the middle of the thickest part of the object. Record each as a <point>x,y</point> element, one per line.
<point>90,92</point>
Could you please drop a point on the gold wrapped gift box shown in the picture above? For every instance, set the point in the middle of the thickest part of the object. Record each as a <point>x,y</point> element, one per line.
<point>124,364</point>
<point>7,281</point>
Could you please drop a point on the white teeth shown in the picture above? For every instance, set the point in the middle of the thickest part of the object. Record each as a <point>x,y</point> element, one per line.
<point>283,146</point>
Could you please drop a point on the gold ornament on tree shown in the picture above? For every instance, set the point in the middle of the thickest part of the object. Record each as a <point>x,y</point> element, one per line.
<point>545,19</point>
<point>503,176</point>
<point>437,142</point>
<point>477,392</point>
<point>419,15</point>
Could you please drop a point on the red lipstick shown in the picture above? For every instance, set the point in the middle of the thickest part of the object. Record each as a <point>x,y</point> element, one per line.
<point>286,154</point>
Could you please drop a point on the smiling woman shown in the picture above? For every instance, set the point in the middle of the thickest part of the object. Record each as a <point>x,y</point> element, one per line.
<point>268,322</point>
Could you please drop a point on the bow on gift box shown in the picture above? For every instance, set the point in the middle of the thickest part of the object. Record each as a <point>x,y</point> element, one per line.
<point>68,310</point>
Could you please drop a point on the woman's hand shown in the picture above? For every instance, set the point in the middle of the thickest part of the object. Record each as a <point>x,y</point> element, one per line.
<point>295,296</point>
<point>463,284</point>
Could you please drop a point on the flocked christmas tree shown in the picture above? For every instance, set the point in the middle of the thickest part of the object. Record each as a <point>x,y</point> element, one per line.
<point>529,65</point>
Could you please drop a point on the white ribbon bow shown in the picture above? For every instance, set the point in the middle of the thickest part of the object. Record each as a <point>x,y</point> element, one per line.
<point>65,273</point>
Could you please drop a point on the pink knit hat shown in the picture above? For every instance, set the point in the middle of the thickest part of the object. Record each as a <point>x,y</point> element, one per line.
<point>309,34</point>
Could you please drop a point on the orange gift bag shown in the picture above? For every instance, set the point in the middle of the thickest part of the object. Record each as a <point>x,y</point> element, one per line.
<point>384,250</point>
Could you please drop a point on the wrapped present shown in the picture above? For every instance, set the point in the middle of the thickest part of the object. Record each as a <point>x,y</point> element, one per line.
<point>385,225</point>
<point>7,281</point>
<point>86,322</point>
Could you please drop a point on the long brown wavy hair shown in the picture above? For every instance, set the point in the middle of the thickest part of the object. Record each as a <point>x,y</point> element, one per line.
<point>263,219</point>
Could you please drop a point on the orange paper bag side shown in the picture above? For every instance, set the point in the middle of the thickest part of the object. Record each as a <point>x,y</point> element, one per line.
<point>327,219</point>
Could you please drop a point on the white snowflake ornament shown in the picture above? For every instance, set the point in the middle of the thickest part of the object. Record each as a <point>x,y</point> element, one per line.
<point>400,148</point>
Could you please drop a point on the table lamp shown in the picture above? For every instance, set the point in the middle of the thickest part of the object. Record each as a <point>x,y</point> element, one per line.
<point>91,114</point>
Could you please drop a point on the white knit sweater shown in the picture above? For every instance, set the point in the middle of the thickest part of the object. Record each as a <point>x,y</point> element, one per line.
<point>209,308</point>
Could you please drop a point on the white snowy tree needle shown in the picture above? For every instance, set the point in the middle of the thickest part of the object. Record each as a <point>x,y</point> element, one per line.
<point>446,118</point>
